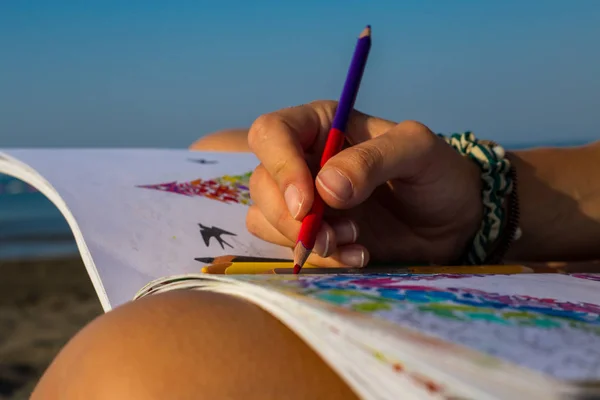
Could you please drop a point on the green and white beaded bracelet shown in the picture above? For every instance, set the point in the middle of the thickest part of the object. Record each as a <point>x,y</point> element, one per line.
<point>499,226</point>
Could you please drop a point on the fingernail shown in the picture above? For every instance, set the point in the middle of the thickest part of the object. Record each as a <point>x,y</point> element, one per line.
<point>346,232</point>
<point>335,183</point>
<point>321,246</point>
<point>293,199</point>
<point>353,257</point>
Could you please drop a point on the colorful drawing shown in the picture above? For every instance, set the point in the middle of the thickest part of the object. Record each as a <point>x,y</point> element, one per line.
<point>228,189</point>
<point>373,293</point>
<point>214,232</point>
<point>591,277</point>
<point>550,335</point>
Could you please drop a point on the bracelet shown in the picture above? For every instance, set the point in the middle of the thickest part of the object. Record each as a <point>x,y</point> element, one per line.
<point>511,229</point>
<point>499,225</point>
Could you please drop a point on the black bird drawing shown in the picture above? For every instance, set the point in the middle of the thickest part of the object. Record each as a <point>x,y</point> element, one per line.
<point>202,161</point>
<point>208,233</point>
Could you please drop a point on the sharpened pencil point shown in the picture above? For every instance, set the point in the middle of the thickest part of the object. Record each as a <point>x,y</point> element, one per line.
<point>366,32</point>
<point>296,269</point>
<point>301,254</point>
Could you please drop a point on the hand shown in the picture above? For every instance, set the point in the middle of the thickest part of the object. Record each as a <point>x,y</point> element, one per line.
<point>399,193</point>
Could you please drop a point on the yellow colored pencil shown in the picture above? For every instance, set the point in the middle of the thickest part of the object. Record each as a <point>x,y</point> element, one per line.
<point>216,268</point>
<point>247,268</point>
<point>478,269</point>
<point>474,270</point>
<point>240,268</point>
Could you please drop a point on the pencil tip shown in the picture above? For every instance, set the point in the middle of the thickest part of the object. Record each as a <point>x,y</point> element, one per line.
<point>301,254</point>
<point>366,32</point>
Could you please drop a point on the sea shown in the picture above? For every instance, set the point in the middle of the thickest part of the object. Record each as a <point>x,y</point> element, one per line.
<point>32,227</point>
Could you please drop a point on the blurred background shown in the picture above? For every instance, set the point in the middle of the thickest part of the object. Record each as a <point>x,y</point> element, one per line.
<point>161,74</point>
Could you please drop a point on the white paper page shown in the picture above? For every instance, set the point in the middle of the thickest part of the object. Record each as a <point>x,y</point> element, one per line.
<point>138,234</point>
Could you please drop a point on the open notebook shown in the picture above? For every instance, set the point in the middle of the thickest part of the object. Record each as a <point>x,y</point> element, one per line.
<point>146,221</point>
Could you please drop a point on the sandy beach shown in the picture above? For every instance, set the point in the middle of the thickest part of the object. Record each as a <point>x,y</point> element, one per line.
<point>43,303</point>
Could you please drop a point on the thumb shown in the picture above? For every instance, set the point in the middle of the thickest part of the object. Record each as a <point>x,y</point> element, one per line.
<point>350,177</point>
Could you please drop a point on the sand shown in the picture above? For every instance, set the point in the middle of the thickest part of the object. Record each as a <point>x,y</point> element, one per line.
<point>43,303</point>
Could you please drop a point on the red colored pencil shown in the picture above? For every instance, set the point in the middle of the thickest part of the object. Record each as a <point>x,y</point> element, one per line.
<point>312,222</point>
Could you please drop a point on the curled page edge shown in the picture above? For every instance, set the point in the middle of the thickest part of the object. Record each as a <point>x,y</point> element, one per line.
<point>20,170</point>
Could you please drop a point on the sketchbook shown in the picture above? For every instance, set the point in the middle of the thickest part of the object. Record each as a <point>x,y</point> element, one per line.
<point>148,221</point>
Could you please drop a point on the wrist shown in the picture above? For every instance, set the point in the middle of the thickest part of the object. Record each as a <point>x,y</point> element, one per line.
<point>496,182</point>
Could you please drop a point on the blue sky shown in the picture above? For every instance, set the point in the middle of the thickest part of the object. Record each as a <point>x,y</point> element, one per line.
<point>150,73</point>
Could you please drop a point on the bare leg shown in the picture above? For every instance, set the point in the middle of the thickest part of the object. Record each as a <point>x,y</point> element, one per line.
<point>233,140</point>
<point>188,345</point>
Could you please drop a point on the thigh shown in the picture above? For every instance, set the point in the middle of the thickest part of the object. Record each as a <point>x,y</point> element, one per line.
<point>189,344</point>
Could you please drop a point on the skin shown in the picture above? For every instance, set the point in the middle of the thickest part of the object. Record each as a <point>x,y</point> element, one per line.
<point>559,194</point>
<point>424,200</point>
<point>232,140</point>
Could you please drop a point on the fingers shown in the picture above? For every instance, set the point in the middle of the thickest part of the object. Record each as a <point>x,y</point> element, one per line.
<point>259,226</point>
<point>350,256</point>
<point>267,198</point>
<point>350,177</point>
<point>281,140</point>
<point>335,244</point>
<point>268,218</point>
<point>278,140</point>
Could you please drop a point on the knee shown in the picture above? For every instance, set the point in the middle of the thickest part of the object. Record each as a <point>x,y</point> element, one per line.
<point>233,140</point>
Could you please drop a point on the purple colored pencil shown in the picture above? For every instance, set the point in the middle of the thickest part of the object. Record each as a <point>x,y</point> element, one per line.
<point>352,84</point>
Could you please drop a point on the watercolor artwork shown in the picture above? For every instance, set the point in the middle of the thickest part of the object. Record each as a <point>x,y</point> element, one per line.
<point>227,188</point>
<point>556,337</point>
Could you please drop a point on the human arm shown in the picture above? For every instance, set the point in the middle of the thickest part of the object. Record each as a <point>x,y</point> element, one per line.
<point>559,194</point>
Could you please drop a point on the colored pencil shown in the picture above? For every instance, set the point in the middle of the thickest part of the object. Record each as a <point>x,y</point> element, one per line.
<point>216,268</point>
<point>284,268</point>
<point>234,258</point>
<point>243,268</point>
<point>335,139</point>
<point>502,269</point>
<point>467,270</point>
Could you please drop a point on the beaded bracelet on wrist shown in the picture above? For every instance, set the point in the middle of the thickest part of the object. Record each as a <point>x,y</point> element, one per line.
<point>499,225</point>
